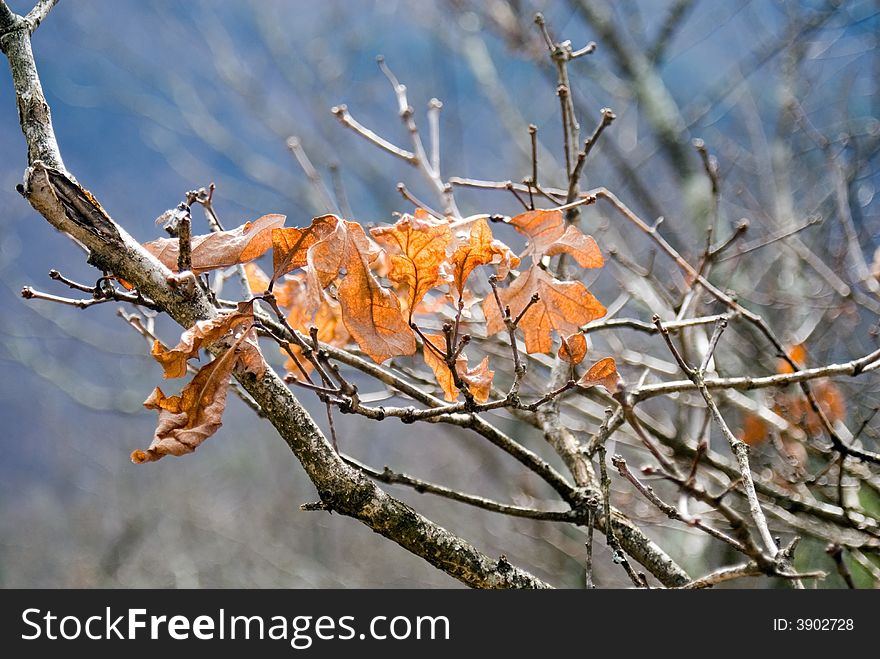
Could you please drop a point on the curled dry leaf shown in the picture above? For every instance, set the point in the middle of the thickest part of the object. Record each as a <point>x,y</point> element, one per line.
<point>548,235</point>
<point>290,245</point>
<point>478,379</point>
<point>573,348</point>
<point>187,420</point>
<point>203,334</point>
<point>603,372</point>
<point>222,249</point>
<point>563,307</point>
<point>371,313</point>
<point>476,248</point>
<point>417,246</point>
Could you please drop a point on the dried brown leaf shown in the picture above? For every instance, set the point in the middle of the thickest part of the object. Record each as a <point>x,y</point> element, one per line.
<point>371,312</point>
<point>573,348</point>
<point>290,245</point>
<point>228,326</point>
<point>563,307</point>
<point>478,379</point>
<point>476,249</point>
<point>222,249</point>
<point>548,235</point>
<point>417,246</point>
<point>603,372</point>
<point>187,420</point>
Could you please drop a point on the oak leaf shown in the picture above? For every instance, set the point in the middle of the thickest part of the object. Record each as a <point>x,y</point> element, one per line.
<point>478,379</point>
<point>562,306</point>
<point>290,245</point>
<point>371,312</point>
<point>603,372</point>
<point>417,246</point>
<point>477,248</point>
<point>302,317</point>
<point>187,420</point>
<point>573,348</point>
<point>548,235</point>
<point>208,332</point>
<point>223,248</point>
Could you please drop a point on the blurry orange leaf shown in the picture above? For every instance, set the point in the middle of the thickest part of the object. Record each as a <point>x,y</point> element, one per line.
<point>327,319</point>
<point>221,249</point>
<point>258,281</point>
<point>185,421</point>
<point>417,246</point>
<point>208,332</point>
<point>371,313</point>
<point>830,400</point>
<point>563,307</point>
<point>479,249</point>
<point>754,430</point>
<point>290,245</point>
<point>573,348</point>
<point>603,372</point>
<point>797,409</point>
<point>549,236</point>
<point>478,379</point>
<point>798,354</point>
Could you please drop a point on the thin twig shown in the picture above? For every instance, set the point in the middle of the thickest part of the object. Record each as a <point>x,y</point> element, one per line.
<point>391,477</point>
<point>294,145</point>
<point>739,448</point>
<point>345,118</point>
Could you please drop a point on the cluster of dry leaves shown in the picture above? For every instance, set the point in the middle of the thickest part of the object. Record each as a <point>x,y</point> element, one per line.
<point>797,412</point>
<point>378,289</point>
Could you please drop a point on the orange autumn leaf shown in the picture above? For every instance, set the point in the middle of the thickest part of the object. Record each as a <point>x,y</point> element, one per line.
<point>573,348</point>
<point>603,372</point>
<point>754,430</point>
<point>478,379</point>
<point>205,333</point>
<point>327,319</point>
<point>548,235</point>
<point>187,420</point>
<point>563,307</point>
<point>371,312</point>
<point>290,245</point>
<point>797,409</point>
<point>417,246</point>
<point>436,363</point>
<point>798,354</point>
<point>257,280</point>
<point>222,249</point>
<point>479,248</point>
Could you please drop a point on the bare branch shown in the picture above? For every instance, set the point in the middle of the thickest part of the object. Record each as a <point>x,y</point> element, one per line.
<point>345,118</point>
<point>38,14</point>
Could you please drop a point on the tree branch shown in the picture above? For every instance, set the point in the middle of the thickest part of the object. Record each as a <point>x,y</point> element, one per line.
<point>72,210</point>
